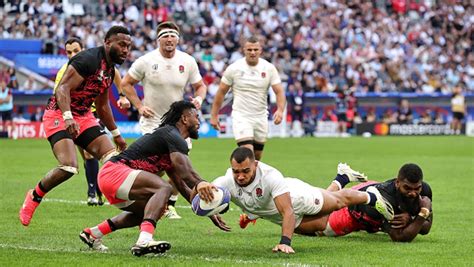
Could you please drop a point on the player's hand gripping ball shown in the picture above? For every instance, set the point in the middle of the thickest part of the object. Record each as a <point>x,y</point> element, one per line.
<point>220,203</point>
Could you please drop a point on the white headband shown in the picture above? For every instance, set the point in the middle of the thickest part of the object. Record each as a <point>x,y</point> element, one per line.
<point>171,32</point>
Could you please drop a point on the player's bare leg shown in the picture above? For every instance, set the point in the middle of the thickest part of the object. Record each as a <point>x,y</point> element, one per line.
<point>101,148</point>
<point>171,212</point>
<point>65,152</point>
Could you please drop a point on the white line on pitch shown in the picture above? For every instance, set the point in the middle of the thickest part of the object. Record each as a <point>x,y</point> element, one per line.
<point>169,256</point>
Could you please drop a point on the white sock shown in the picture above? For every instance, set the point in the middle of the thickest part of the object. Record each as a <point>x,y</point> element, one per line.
<point>368,198</point>
<point>173,197</point>
<point>144,237</point>
<point>96,232</point>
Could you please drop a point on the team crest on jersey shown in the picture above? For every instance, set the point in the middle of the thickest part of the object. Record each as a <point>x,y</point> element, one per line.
<point>181,68</point>
<point>264,75</point>
<point>154,67</point>
<point>240,192</point>
<point>56,122</point>
<point>316,201</point>
<point>259,192</point>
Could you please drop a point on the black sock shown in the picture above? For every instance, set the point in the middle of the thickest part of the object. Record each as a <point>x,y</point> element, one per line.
<point>36,196</point>
<point>372,198</point>
<point>92,168</point>
<point>171,202</point>
<point>342,179</point>
<point>112,225</point>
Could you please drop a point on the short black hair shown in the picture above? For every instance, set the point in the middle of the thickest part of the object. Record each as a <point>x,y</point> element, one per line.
<point>116,30</point>
<point>410,172</point>
<point>73,40</point>
<point>242,153</point>
<point>167,25</point>
<point>172,116</point>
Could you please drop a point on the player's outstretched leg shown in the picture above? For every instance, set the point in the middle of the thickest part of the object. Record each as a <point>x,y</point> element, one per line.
<point>354,176</point>
<point>65,152</point>
<point>382,205</point>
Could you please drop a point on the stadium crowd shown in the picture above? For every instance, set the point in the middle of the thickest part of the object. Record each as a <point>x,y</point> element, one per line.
<point>317,46</point>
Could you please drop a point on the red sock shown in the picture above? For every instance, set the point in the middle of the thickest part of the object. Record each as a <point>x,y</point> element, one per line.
<point>39,192</point>
<point>104,227</point>
<point>148,227</point>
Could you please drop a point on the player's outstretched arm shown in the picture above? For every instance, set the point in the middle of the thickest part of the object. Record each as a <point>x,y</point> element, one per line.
<point>284,206</point>
<point>183,175</point>
<point>216,105</point>
<point>105,114</point>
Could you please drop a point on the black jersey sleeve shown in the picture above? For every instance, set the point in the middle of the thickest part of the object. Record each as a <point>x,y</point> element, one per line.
<point>86,62</point>
<point>426,191</point>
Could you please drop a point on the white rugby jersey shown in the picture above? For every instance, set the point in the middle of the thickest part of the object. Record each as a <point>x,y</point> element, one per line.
<point>164,79</point>
<point>250,85</point>
<point>257,197</point>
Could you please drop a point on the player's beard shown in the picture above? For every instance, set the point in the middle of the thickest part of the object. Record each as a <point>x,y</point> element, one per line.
<point>193,133</point>
<point>114,55</point>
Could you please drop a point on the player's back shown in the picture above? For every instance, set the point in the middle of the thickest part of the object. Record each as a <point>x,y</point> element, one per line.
<point>151,152</point>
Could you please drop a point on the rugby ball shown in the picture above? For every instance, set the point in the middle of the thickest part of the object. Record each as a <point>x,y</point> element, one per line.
<point>219,204</point>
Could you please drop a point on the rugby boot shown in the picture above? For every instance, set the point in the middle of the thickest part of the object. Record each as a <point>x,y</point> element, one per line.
<point>28,208</point>
<point>93,243</point>
<point>152,246</point>
<point>354,176</point>
<point>382,205</point>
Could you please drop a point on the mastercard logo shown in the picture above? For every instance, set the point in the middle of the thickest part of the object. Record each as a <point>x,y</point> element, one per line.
<point>381,129</point>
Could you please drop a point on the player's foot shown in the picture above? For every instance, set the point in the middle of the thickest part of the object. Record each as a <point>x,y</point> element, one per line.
<point>28,208</point>
<point>171,213</point>
<point>100,201</point>
<point>156,247</point>
<point>244,221</point>
<point>382,205</point>
<point>354,176</point>
<point>92,242</point>
<point>92,201</point>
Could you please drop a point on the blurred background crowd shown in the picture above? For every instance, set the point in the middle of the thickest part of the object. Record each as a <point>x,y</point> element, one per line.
<point>317,45</point>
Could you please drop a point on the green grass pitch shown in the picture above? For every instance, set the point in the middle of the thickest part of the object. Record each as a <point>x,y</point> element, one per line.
<point>52,238</point>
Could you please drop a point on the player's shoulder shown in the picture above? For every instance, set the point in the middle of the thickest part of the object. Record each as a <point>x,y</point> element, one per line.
<point>95,53</point>
<point>239,63</point>
<point>184,56</point>
<point>150,56</point>
<point>265,63</point>
<point>268,171</point>
<point>426,190</point>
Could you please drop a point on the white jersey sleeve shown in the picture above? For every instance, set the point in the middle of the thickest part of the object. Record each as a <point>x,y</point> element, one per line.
<point>277,183</point>
<point>228,76</point>
<point>223,181</point>
<point>194,75</point>
<point>275,77</point>
<point>138,69</point>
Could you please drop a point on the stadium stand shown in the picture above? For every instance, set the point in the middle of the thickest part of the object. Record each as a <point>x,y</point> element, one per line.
<point>363,47</point>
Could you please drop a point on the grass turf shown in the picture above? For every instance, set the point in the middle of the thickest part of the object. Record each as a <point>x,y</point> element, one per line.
<point>52,238</point>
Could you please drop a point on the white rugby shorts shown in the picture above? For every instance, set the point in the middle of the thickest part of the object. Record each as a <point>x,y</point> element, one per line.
<point>250,127</point>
